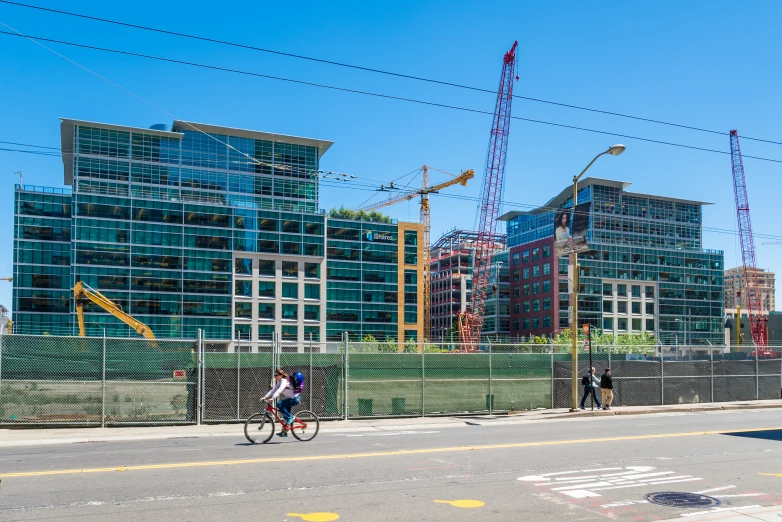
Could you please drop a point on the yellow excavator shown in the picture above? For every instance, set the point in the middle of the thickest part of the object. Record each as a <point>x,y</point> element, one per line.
<point>82,292</point>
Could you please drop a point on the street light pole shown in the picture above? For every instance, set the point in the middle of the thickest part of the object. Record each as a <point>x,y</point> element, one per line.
<point>615,150</point>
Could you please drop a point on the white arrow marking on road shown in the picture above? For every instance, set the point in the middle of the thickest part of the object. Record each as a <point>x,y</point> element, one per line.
<point>584,486</point>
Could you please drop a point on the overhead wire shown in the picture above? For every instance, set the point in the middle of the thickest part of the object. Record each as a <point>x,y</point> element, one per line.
<point>370,186</point>
<point>375,70</point>
<point>77,64</point>
<point>349,90</point>
<point>254,160</point>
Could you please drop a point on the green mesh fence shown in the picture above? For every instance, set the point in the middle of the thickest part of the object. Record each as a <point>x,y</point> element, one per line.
<point>96,381</point>
<point>48,380</point>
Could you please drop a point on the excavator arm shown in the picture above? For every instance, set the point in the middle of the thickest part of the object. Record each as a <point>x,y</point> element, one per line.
<point>82,292</point>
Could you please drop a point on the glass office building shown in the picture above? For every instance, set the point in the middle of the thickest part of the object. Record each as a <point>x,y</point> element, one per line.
<point>189,227</point>
<point>647,269</point>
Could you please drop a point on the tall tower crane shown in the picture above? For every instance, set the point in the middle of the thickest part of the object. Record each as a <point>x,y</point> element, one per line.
<point>471,321</point>
<point>747,240</point>
<point>424,192</point>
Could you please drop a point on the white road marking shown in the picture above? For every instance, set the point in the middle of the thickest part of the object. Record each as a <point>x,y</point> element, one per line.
<point>714,489</point>
<point>624,503</point>
<point>592,485</point>
<point>744,495</point>
<point>585,486</point>
<point>574,479</point>
<point>581,493</point>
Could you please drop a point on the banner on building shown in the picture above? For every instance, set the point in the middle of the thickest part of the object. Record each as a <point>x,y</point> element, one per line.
<point>570,230</point>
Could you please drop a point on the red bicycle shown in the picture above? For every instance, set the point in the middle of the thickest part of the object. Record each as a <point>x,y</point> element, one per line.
<point>259,428</point>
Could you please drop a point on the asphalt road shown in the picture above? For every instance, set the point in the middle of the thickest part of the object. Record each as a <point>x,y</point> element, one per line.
<point>563,470</point>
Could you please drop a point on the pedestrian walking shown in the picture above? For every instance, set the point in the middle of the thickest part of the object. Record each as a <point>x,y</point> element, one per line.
<point>591,384</point>
<point>607,389</point>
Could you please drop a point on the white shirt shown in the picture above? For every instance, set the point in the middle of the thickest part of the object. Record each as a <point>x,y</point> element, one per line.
<point>282,387</point>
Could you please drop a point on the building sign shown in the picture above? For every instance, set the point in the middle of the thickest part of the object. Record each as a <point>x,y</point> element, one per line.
<point>379,237</point>
<point>570,230</point>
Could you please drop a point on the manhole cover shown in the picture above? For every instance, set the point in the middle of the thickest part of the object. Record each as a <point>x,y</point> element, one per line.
<point>682,500</point>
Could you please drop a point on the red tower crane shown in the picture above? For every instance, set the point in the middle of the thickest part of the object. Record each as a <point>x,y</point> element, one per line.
<point>471,321</point>
<point>747,240</point>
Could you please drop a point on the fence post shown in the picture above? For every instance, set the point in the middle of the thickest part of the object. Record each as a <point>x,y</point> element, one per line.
<point>423,384</point>
<point>199,366</point>
<point>346,367</point>
<point>310,406</point>
<point>757,374</point>
<point>552,377</point>
<point>238,381</point>
<point>1,369</point>
<point>711,365</point>
<point>662,378</point>
<point>491,398</point>
<point>103,385</point>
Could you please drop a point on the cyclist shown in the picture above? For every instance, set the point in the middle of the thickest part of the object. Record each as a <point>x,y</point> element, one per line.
<point>290,398</point>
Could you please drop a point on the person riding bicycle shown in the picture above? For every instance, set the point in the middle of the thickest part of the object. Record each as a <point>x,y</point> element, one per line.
<point>290,398</point>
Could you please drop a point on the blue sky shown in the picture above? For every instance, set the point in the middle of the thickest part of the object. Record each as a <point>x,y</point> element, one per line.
<point>710,65</point>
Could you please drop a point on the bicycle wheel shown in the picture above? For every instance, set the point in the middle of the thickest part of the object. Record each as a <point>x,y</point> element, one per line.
<point>305,425</point>
<point>259,428</point>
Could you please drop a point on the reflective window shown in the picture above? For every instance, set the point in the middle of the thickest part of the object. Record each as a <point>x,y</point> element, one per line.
<point>243,266</point>
<point>311,291</point>
<point>290,269</point>
<point>243,288</point>
<point>266,267</point>
<point>266,289</point>
<point>243,310</point>
<point>290,290</point>
<point>290,311</point>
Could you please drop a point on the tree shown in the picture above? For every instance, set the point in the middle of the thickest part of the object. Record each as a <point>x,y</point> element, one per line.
<point>642,342</point>
<point>359,215</point>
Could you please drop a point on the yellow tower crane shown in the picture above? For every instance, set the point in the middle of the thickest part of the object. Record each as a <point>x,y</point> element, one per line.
<point>424,192</point>
<point>82,292</point>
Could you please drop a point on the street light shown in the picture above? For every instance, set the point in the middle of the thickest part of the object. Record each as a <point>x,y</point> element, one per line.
<point>614,150</point>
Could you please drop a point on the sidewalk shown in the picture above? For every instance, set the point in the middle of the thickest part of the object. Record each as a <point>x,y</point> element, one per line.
<point>37,437</point>
<point>734,515</point>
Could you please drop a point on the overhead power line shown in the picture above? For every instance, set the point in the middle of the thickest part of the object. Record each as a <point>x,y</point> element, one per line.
<point>374,70</point>
<point>374,94</point>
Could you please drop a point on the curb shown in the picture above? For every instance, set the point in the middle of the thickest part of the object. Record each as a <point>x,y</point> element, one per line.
<point>600,413</point>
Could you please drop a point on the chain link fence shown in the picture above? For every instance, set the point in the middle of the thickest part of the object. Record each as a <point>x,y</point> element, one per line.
<point>96,381</point>
<point>51,380</point>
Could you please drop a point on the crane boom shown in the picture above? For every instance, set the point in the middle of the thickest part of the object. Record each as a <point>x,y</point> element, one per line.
<point>461,179</point>
<point>747,240</point>
<point>471,321</point>
<point>424,192</point>
<point>82,292</point>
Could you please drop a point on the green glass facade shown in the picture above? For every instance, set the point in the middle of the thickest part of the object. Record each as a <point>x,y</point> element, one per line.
<point>366,294</point>
<point>200,227</point>
<point>650,245</point>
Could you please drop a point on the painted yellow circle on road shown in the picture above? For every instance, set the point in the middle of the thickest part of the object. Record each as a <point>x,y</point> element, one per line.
<point>314,517</point>
<point>462,503</point>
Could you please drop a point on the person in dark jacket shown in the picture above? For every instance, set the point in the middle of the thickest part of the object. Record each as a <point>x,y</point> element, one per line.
<point>590,384</point>
<point>607,389</point>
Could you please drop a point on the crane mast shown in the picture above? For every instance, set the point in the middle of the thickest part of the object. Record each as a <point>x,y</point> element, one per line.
<point>424,192</point>
<point>471,321</point>
<point>747,241</point>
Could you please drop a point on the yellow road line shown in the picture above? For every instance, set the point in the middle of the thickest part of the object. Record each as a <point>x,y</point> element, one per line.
<point>771,474</point>
<point>372,454</point>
